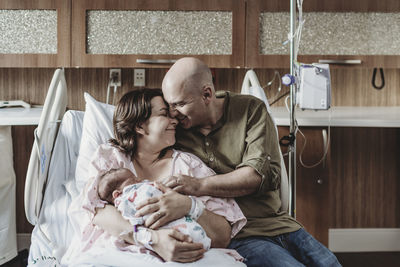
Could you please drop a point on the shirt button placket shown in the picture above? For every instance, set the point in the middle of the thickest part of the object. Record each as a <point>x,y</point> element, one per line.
<point>208,150</point>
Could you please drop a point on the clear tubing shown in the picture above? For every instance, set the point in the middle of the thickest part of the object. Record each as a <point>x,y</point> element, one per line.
<point>292,148</point>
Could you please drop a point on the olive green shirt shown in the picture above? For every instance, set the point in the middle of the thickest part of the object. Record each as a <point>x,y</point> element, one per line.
<point>245,136</point>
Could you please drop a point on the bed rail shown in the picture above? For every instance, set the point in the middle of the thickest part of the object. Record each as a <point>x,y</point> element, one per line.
<point>36,177</point>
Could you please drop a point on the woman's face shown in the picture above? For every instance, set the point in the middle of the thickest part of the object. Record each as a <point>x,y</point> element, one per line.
<point>159,129</point>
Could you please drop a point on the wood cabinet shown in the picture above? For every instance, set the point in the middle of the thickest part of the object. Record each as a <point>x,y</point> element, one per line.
<point>25,44</point>
<point>335,30</point>
<point>116,33</point>
<point>222,33</point>
<point>356,187</point>
<point>312,184</point>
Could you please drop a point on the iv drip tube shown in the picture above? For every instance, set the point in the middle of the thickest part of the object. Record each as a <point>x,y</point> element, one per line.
<point>292,147</point>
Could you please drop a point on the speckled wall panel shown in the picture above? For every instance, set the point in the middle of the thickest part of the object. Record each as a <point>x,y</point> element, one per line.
<point>159,32</point>
<point>333,33</point>
<point>28,31</point>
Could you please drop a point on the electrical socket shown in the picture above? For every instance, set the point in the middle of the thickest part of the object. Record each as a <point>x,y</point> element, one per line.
<point>115,75</point>
<point>139,77</point>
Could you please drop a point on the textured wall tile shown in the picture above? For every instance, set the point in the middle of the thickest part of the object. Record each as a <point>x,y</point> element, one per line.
<point>334,33</point>
<point>28,31</point>
<point>159,32</point>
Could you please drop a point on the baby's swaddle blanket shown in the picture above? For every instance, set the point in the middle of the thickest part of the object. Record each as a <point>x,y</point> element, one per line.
<point>133,194</point>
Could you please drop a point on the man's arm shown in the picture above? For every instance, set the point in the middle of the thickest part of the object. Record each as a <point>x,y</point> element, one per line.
<point>240,182</point>
<point>258,172</point>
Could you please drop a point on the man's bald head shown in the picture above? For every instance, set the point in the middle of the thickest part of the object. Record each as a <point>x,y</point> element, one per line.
<point>190,93</point>
<point>189,75</point>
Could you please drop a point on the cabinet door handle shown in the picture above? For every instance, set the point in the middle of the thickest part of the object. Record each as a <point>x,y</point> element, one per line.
<point>155,61</point>
<point>340,61</point>
<point>325,140</point>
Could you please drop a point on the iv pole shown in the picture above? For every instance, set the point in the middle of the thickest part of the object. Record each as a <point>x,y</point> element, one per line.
<point>292,147</point>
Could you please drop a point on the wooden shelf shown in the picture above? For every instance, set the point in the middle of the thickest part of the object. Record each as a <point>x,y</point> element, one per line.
<point>386,117</point>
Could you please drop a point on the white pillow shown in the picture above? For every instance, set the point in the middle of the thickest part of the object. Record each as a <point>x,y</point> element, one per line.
<point>97,130</point>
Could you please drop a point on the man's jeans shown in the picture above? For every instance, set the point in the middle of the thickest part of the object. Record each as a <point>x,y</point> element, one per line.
<point>298,248</point>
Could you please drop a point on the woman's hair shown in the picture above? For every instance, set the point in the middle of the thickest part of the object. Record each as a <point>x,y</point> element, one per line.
<point>133,109</point>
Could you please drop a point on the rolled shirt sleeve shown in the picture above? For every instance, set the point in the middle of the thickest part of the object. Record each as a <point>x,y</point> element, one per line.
<point>261,148</point>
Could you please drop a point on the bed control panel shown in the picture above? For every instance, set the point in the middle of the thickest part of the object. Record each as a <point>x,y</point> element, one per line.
<point>14,103</point>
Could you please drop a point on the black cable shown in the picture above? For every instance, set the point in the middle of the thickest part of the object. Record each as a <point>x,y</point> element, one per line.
<point>374,79</point>
<point>279,98</point>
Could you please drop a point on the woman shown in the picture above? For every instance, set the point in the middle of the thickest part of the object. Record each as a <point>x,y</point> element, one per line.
<point>144,134</point>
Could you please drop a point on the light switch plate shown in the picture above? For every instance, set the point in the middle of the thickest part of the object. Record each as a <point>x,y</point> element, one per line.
<point>139,77</point>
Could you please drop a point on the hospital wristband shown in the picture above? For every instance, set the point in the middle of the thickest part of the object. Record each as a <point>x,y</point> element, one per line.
<point>142,236</point>
<point>197,208</point>
<point>193,205</point>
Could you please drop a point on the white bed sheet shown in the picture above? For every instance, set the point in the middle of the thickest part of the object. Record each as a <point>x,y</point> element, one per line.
<point>53,217</point>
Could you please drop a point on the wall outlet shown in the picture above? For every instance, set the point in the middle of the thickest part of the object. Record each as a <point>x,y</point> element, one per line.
<point>115,75</point>
<point>139,77</point>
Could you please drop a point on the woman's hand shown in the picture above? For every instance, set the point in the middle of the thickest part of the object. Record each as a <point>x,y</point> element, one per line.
<point>172,245</point>
<point>165,208</point>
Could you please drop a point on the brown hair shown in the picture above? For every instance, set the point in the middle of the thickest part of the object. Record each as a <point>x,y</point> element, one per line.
<point>133,109</point>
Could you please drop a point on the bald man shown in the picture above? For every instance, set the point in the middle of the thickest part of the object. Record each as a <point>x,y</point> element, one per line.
<point>235,136</point>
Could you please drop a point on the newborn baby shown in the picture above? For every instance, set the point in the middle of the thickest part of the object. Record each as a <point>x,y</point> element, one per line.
<point>123,189</point>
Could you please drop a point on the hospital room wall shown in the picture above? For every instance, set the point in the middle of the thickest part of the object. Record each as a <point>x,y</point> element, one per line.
<point>351,87</point>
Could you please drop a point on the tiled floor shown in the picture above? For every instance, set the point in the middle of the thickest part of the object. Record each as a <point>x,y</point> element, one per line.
<point>20,261</point>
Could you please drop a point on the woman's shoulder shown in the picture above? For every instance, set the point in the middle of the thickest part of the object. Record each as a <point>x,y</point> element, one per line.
<point>108,149</point>
<point>107,153</point>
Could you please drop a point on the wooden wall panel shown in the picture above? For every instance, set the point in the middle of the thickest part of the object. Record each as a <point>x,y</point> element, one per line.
<point>364,178</point>
<point>349,87</point>
<point>22,146</point>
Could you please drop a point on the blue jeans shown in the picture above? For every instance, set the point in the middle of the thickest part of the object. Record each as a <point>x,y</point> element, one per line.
<point>298,248</point>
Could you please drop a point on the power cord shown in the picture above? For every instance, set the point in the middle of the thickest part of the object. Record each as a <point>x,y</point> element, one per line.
<point>326,142</point>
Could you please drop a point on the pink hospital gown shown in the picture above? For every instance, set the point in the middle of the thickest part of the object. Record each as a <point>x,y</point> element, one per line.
<point>108,157</point>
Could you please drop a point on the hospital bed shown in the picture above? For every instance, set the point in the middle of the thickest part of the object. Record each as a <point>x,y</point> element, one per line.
<point>52,179</point>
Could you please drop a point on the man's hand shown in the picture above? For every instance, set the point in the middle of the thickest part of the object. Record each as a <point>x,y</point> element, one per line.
<point>163,209</point>
<point>172,245</point>
<point>184,184</point>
